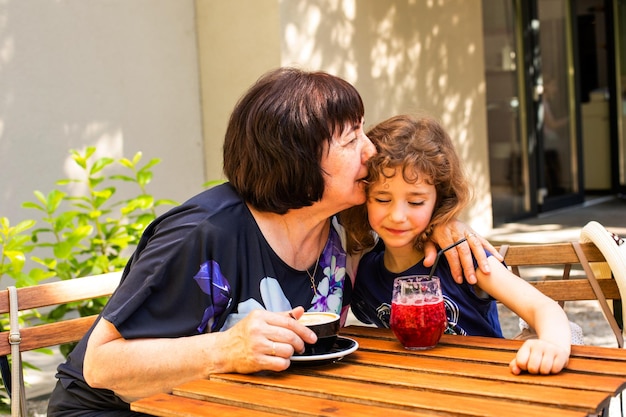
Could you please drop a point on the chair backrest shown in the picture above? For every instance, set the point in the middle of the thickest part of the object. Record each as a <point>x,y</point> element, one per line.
<point>564,256</point>
<point>50,294</point>
<point>524,260</point>
<point>14,301</point>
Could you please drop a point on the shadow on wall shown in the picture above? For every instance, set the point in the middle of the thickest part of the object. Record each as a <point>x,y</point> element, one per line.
<point>403,58</point>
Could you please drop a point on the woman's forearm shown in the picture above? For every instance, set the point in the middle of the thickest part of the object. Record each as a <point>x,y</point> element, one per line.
<point>137,368</point>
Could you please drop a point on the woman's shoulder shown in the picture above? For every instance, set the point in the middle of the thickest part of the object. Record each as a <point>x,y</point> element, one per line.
<point>216,198</point>
<point>219,207</point>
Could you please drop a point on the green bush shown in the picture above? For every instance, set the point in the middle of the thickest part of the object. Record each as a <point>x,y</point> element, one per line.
<point>88,234</point>
<point>81,235</point>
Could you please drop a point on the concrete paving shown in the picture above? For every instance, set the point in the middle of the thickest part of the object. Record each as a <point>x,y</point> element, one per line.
<point>564,225</point>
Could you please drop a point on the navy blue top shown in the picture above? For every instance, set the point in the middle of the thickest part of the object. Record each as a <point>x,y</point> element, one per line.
<point>468,313</point>
<point>202,267</point>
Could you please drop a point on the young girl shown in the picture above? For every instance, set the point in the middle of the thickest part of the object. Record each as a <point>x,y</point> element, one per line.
<point>416,182</point>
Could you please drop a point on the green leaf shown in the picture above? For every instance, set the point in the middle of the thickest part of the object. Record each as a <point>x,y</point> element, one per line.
<point>16,258</point>
<point>54,200</point>
<point>64,220</point>
<point>123,178</point>
<point>41,197</point>
<point>143,202</point>
<point>213,183</point>
<point>89,151</point>
<point>38,274</point>
<point>127,163</point>
<point>142,222</point>
<point>18,242</point>
<point>29,204</point>
<point>137,158</point>
<point>63,250</point>
<point>153,162</point>
<point>48,263</point>
<point>144,177</point>
<point>95,181</point>
<point>80,160</point>
<point>100,164</point>
<point>105,193</point>
<point>23,226</point>
<point>165,202</point>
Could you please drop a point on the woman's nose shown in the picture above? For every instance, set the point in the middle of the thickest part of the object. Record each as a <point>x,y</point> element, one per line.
<point>369,149</point>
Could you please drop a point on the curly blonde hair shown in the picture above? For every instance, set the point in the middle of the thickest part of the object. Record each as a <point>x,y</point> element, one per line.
<point>421,148</point>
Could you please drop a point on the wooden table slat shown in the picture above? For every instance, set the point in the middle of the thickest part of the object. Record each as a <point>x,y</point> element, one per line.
<point>166,405</point>
<point>609,384</point>
<point>471,354</point>
<point>358,399</point>
<point>485,343</point>
<point>281,403</point>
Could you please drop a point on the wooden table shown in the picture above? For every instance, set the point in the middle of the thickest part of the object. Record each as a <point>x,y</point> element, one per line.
<point>465,376</point>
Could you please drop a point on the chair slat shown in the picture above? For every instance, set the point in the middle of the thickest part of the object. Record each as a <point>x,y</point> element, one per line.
<point>61,292</point>
<point>576,289</point>
<point>550,254</point>
<point>50,334</point>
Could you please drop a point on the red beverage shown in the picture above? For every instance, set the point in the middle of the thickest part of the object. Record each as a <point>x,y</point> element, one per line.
<point>418,326</point>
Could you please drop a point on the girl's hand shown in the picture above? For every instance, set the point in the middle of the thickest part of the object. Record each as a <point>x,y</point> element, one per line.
<point>538,356</point>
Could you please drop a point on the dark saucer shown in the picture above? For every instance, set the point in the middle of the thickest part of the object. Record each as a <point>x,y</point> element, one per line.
<point>343,346</point>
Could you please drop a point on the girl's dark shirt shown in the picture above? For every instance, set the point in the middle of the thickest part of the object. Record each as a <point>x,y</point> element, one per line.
<point>468,312</point>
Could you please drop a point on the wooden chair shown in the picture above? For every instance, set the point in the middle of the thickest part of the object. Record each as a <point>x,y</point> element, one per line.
<point>17,340</point>
<point>597,282</point>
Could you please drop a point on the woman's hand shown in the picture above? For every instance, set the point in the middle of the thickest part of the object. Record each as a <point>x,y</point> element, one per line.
<point>460,257</point>
<point>266,341</point>
<point>538,356</point>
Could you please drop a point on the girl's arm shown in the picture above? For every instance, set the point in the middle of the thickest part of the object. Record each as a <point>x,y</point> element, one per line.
<point>549,353</point>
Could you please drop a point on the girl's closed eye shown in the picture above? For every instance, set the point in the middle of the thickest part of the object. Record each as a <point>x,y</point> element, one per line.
<point>417,203</point>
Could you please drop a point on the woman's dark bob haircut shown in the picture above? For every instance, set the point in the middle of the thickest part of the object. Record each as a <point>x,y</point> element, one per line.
<point>276,135</point>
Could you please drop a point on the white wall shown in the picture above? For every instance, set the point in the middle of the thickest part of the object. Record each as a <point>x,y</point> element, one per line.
<point>239,40</point>
<point>121,75</point>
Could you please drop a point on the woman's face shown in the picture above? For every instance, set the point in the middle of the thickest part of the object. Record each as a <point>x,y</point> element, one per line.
<point>344,166</point>
<point>400,211</point>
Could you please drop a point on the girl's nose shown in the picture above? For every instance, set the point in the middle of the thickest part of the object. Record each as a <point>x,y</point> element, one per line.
<point>397,213</point>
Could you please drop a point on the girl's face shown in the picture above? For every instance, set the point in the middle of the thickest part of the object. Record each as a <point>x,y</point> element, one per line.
<point>344,165</point>
<point>400,211</point>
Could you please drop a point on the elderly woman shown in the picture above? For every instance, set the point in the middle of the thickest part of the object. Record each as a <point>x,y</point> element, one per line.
<point>215,284</point>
